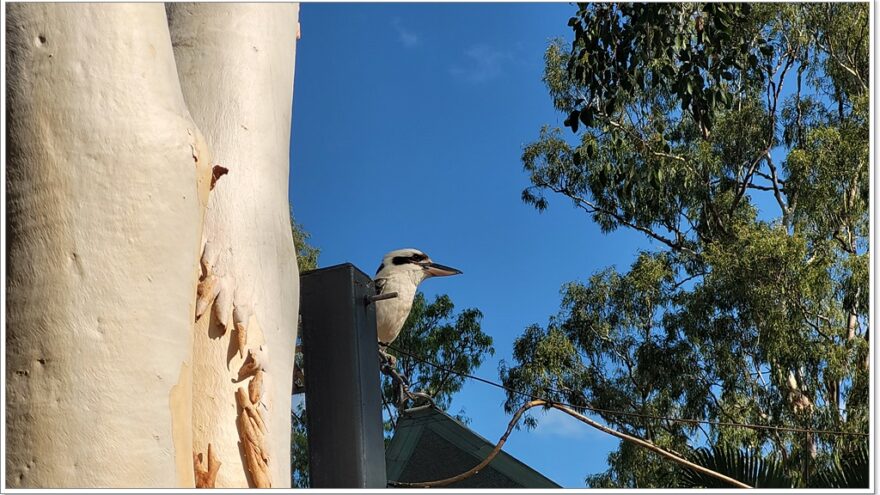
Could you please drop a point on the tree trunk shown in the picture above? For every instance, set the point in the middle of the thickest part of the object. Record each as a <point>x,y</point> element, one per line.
<point>236,64</point>
<point>116,244</point>
<point>107,180</point>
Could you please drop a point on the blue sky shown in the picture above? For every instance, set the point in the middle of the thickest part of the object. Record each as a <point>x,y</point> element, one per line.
<point>408,125</point>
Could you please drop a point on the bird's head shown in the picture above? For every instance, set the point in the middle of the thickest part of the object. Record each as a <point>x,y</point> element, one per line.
<point>413,263</point>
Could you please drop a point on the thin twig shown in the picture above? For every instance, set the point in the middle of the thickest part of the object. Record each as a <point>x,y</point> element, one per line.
<point>591,207</point>
<point>614,412</point>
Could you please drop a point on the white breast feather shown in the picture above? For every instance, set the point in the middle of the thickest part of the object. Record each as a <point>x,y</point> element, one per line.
<point>391,314</point>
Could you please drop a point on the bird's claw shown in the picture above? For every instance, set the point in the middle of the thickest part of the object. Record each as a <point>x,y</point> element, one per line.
<point>387,360</point>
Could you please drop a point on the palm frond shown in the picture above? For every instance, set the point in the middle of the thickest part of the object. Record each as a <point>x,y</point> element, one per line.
<point>747,466</point>
<point>850,471</point>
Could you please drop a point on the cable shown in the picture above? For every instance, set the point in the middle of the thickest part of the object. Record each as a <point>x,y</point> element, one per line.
<point>625,413</point>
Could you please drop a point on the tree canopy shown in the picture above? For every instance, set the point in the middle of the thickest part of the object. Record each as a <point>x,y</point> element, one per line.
<point>434,333</point>
<point>735,137</point>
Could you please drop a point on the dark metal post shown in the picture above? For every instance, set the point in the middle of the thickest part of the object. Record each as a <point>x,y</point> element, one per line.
<point>343,395</point>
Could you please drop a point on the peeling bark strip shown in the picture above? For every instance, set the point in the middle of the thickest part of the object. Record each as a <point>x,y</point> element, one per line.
<point>217,172</point>
<point>241,315</point>
<point>206,292</point>
<point>206,477</point>
<point>255,387</point>
<point>252,425</point>
<point>256,361</point>
<point>252,429</point>
<point>241,338</point>
<point>250,254</point>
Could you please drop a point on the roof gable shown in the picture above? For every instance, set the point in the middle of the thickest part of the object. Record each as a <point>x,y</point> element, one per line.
<point>429,444</point>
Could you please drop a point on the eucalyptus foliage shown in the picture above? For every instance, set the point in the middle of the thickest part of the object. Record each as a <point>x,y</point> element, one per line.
<point>306,254</point>
<point>735,137</point>
<point>306,259</point>
<point>433,333</point>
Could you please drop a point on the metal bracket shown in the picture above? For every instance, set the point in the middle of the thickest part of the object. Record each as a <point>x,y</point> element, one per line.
<point>380,297</point>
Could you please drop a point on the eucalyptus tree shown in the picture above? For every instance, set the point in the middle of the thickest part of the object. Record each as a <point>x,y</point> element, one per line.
<point>735,137</point>
<point>151,299</point>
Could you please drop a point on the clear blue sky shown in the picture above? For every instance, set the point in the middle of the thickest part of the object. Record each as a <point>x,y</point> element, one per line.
<point>408,125</point>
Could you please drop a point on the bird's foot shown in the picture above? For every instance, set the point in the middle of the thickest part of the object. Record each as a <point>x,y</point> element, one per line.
<point>386,359</point>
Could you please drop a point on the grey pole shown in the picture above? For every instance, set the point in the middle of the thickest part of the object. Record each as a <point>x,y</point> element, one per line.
<point>343,395</point>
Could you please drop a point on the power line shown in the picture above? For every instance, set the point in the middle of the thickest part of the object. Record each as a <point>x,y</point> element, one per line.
<point>626,413</point>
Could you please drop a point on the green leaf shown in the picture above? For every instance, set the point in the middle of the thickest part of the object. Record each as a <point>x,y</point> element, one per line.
<point>572,121</point>
<point>659,126</point>
<point>586,116</point>
<point>753,60</point>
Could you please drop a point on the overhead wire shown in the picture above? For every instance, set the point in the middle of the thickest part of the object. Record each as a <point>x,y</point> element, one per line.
<point>614,412</point>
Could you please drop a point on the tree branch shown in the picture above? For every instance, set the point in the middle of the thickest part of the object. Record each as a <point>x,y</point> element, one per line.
<point>459,350</point>
<point>765,153</point>
<point>773,90</point>
<point>846,246</point>
<point>591,207</point>
<point>623,436</point>
<point>777,191</point>
<point>830,51</point>
<point>634,135</point>
<point>755,186</point>
<point>768,177</point>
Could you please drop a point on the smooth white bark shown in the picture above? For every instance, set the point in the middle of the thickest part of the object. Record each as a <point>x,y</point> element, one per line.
<point>107,177</point>
<point>236,65</point>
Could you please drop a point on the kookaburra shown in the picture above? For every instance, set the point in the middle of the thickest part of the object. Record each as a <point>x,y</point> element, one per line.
<point>401,271</point>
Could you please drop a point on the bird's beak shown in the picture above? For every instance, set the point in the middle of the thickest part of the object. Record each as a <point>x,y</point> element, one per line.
<point>438,270</point>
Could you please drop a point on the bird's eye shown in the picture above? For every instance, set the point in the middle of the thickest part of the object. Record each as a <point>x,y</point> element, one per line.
<point>413,258</point>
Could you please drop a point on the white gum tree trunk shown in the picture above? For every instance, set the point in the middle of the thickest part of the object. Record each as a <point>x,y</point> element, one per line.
<point>236,66</point>
<point>111,381</point>
<point>104,228</point>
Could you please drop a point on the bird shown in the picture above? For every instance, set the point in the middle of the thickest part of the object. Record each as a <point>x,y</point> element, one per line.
<point>401,271</point>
